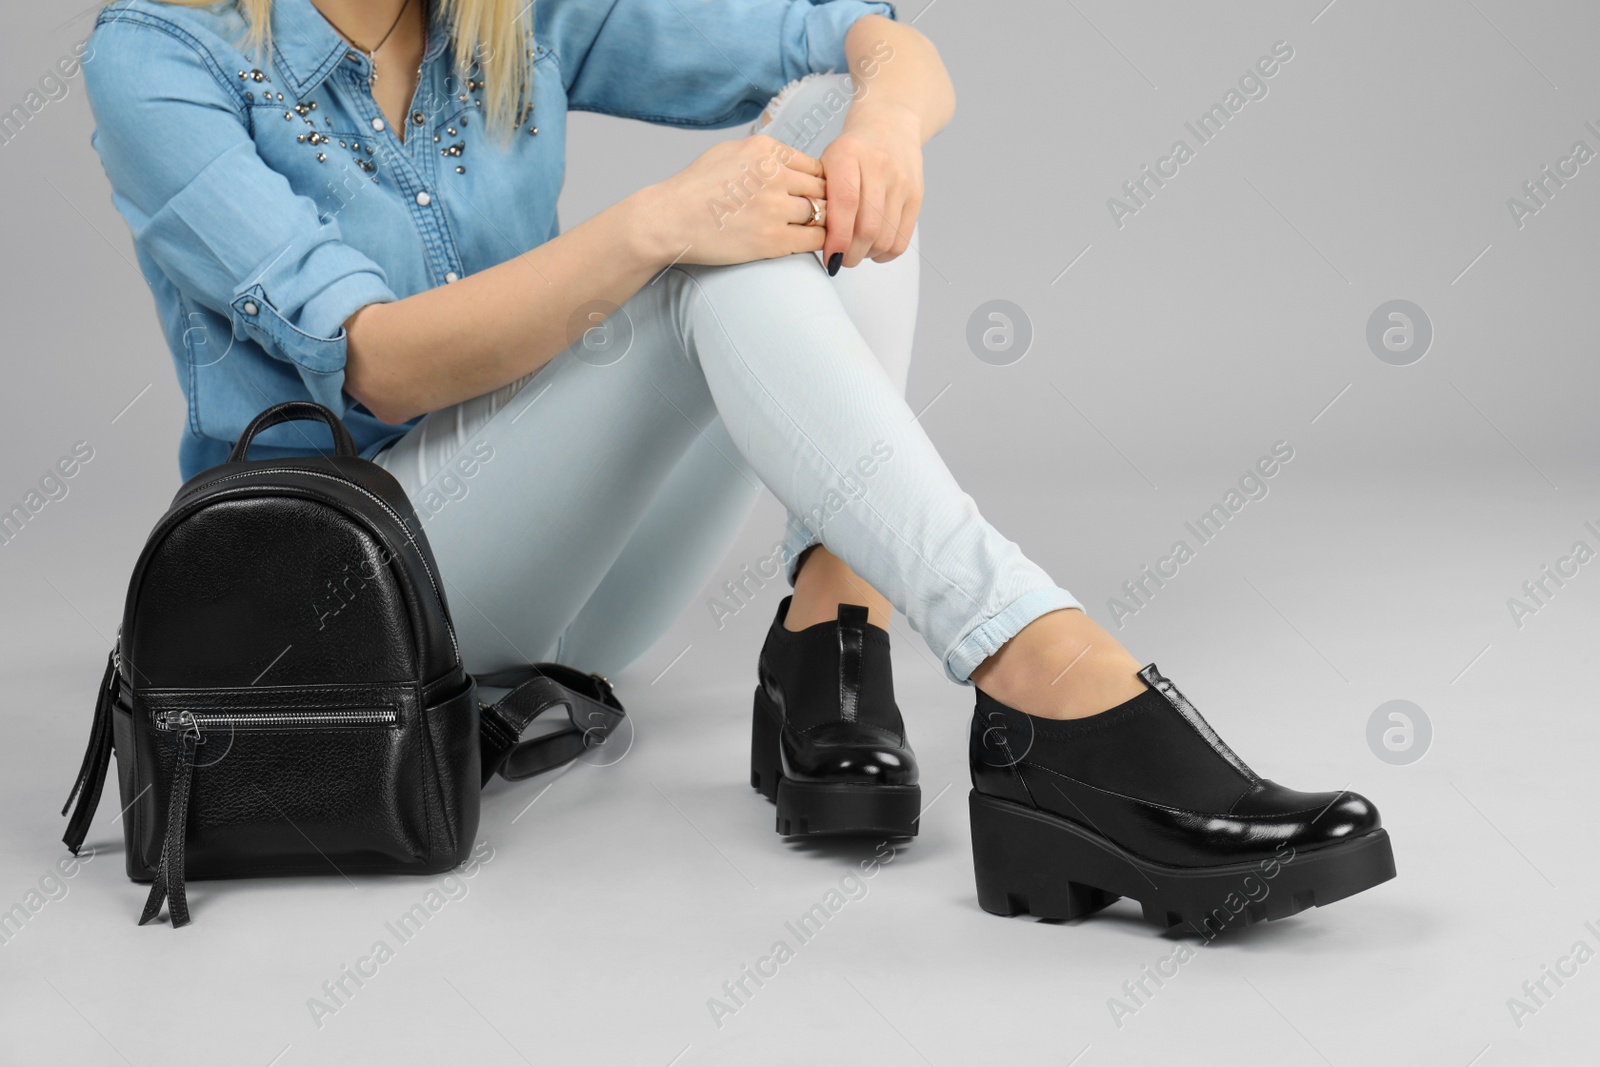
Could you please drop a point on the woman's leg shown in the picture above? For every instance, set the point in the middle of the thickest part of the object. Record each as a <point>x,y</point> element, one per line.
<point>530,494</point>
<point>881,299</point>
<point>808,406</point>
<point>695,515</point>
<point>707,499</point>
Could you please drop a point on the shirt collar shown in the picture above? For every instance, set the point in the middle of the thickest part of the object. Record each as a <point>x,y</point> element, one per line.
<point>307,48</point>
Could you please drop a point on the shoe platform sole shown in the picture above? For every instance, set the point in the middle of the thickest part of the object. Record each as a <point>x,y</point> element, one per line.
<point>1031,862</point>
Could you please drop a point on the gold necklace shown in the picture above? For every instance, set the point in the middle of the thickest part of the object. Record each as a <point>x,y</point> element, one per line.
<point>371,53</point>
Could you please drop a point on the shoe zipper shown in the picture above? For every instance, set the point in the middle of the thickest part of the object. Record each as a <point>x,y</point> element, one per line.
<point>178,721</point>
<point>376,499</point>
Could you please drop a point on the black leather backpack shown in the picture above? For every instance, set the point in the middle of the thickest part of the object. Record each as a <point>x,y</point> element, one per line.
<point>286,695</point>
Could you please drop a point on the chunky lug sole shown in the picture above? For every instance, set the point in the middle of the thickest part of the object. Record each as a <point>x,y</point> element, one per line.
<point>1032,862</point>
<point>812,809</point>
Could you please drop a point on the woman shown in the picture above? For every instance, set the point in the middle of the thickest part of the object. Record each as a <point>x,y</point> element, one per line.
<point>353,201</point>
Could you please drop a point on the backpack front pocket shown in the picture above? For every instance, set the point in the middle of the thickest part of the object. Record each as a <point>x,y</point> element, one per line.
<point>285,780</point>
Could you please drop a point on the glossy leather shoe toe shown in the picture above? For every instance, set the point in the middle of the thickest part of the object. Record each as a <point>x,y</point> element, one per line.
<point>847,752</point>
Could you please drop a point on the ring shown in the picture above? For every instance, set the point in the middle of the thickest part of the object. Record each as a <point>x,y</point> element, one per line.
<point>818,209</point>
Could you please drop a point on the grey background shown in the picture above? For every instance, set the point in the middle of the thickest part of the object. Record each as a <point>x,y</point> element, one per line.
<point>1228,314</point>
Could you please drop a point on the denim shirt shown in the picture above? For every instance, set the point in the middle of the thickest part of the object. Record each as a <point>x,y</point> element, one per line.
<point>269,200</point>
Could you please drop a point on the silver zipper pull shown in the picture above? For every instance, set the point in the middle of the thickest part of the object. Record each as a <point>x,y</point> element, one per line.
<point>182,721</point>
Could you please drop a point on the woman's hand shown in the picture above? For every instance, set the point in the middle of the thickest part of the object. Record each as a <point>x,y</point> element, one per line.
<point>740,201</point>
<point>873,171</point>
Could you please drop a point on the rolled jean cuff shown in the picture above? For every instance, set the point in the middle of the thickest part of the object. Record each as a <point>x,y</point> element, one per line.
<point>986,639</point>
<point>798,539</point>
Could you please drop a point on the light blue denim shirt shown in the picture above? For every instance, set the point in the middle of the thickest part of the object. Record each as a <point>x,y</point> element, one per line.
<point>270,202</point>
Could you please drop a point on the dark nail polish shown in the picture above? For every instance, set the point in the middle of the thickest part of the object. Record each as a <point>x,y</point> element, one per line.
<point>835,261</point>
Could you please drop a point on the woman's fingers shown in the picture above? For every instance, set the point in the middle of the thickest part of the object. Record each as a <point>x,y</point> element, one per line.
<point>894,202</point>
<point>801,210</point>
<point>869,217</point>
<point>907,226</point>
<point>844,197</point>
<point>799,183</point>
<point>874,180</point>
<point>796,160</point>
<point>804,238</point>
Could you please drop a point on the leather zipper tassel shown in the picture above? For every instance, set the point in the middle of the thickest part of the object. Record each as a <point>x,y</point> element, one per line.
<point>96,759</point>
<point>168,883</point>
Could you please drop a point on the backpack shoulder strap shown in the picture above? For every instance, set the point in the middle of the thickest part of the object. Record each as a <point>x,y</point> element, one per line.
<point>592,709</point>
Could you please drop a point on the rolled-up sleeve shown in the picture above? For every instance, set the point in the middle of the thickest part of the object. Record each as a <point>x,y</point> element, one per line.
<point>706,63</point>
<point>224,228</point>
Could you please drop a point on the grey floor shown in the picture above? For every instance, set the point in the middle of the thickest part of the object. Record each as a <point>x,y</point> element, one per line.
<point>1231,312</point>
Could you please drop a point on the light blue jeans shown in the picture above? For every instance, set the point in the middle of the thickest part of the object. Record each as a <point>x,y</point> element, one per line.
<point>576,512</point>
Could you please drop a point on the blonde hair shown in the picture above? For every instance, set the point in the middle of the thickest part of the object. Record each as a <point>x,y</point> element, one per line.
<point>495,34</point>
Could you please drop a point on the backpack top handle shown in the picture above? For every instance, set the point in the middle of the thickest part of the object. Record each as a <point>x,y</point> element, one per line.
<point>290,411</point>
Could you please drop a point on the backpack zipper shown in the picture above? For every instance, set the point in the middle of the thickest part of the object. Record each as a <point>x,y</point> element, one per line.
<point>172,721</point>
<point>376,499</point>
<point>184,722</point>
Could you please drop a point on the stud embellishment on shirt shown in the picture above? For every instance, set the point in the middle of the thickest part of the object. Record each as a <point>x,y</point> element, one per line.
<point>322,139</point>
<point>254,76</point>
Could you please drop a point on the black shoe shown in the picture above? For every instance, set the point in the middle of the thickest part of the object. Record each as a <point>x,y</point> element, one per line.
<point>1146,801</point>
<point>827,743</point>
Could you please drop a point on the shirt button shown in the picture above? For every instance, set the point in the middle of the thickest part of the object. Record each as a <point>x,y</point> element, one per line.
<point>452,277</point>
<point>377,124</point>
<point>250,307</point>
<point>423,199</point>
<point>418,118</point>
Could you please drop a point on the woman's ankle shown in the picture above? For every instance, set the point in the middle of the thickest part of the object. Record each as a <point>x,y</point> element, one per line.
<point>1062,665</point>
<point>822,583</point>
